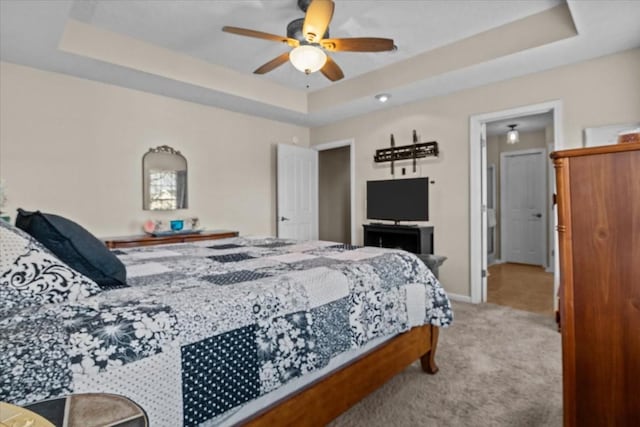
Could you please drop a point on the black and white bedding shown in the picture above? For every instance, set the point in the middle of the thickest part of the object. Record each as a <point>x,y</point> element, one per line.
<point>203,329</point>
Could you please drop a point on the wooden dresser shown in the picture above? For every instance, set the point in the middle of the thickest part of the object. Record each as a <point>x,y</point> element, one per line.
<point>148,240</point>
<point>599,241</point>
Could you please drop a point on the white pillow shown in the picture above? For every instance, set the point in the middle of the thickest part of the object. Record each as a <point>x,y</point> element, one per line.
<point>30,274</point>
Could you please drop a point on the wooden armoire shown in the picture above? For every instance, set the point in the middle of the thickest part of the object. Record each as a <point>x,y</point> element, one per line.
<point>599,239</point>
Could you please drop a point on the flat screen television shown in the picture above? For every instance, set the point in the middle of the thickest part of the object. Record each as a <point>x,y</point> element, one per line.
<point>398,199</point>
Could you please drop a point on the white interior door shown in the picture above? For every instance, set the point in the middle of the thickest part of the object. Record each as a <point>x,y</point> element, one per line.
<point>523,206</point>
<point>297,190</point>
<point>491,214</point>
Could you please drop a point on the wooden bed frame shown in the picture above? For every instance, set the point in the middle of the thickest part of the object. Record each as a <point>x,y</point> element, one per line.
<point>325,399</point>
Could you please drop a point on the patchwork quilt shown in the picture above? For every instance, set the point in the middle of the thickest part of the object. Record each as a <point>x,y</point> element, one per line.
<point>204,328</point>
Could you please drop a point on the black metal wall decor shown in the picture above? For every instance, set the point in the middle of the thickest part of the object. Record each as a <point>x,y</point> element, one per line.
<point>415,151</point>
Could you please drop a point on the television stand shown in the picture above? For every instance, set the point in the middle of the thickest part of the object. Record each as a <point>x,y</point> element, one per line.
<point>411,238</point>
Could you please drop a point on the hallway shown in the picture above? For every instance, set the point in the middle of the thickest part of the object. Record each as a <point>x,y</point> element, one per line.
<point>520,286</point>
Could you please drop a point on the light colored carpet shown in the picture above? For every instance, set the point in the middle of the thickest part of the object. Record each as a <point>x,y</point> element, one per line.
<point>498,367</point>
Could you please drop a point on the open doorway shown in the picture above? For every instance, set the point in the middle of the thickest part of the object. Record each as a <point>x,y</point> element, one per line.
<point>336,176</point>
<point>483,224</point>
<point>334,187</point>
<point>519,251</point>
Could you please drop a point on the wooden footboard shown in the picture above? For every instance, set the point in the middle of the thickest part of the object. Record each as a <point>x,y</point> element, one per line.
<point>325,399</point>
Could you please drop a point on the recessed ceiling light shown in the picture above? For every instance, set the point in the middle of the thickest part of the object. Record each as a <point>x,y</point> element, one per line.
<point>383,97</point>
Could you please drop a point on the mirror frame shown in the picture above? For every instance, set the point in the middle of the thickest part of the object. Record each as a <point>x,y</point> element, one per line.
<point>163,149</point>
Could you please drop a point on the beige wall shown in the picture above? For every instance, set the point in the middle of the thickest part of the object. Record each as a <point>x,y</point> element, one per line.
<point>75,147</point>
<point>334,195</point>
<point>594,93</point>
<point>497,144</point>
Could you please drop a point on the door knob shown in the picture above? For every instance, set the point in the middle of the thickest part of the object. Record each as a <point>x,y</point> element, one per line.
<point>538,215</point>
<point>282,218</point>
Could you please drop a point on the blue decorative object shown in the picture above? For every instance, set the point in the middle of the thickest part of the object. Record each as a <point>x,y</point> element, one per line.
<point>177,224</point>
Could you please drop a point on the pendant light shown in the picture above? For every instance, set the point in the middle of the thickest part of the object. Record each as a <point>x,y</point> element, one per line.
<point>513,136</point>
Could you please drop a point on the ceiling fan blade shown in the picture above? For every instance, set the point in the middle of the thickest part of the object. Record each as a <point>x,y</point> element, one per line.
<point>358,44</point>
<point>316,21</point>
<point>274,63</point>
<point>331,70</point>
<point>260,35</point>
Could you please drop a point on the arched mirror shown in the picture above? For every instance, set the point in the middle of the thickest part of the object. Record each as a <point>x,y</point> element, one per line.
<point>164,179</point>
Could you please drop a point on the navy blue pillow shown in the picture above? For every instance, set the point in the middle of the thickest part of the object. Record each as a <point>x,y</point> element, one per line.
<point>75,246</point>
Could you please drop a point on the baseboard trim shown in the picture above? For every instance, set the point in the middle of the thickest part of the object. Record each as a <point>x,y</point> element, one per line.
<point>458,297</point>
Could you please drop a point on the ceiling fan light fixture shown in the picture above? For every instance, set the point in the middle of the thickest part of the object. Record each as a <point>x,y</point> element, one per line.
<point>307,58</point>
<point>309,38</point>
<point>513,136</point>
<point>383,97</point>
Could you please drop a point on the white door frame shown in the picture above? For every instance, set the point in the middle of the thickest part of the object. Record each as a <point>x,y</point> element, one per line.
<point>484,213</point>
<point>476,171</point>
<point>504,235</point>
<point>352,176</point>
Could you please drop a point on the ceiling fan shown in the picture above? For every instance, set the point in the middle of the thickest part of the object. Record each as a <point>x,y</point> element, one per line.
<point>309,38</point>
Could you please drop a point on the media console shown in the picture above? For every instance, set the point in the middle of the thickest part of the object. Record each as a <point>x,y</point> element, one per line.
<point>411,238</point>
<point>418,240</point>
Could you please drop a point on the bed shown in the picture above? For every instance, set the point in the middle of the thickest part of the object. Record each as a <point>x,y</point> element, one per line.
<point>256,331</point>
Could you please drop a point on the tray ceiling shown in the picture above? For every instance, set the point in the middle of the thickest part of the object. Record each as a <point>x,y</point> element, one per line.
<point>177,48</point>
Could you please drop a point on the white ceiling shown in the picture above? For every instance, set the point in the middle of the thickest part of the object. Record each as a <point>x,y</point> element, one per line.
<point>532,123</point>
<point>30,34</point>
<point>415,27</point>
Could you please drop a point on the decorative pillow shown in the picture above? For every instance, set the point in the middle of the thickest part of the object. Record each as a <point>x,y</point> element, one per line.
<point>30,274</point>
<point>74,245</point>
